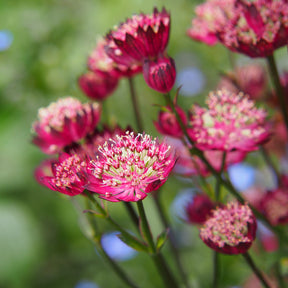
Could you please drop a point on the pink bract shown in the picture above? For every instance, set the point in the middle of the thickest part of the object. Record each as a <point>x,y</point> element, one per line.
<point>63,123</point>
<point>167,123</point>
<point>160,74</point>
<point>199,209</point>
<point>139,37</point>
<point>96,85</point>
<point>100,62</point>
<point>231,122</point>
<point>63,175</point>
<point>254,28</point>
<point>129,167</point>
<point>230,229</point>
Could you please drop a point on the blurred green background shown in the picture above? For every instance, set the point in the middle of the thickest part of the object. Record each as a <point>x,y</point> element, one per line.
<point>41,243</point>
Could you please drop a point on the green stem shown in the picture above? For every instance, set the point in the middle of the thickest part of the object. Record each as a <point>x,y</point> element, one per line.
<point>132,213</point>
<point>256,271</point>
<point>218,184</point>
<point>135,105</point>
<point>96,238</point>
<point>279,275</point>
<point>171,239</point>
<point>278,87</point>
<point>158,259</point>
<point>270,164</point>
<point>216,269</point>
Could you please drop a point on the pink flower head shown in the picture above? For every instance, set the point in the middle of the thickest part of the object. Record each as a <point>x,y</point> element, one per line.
<point>100,62</point>
<point>251,79</point>
<point>188,165</point>
<point>160,74</point>
<point>141,36</point>
<point>64,122</point>
<point>96,85</point>
<point>199,209</point>
<point>254,28</point>
<point>230,230</point>
<point>167,123</point>
<point>63,175</point>
<point>232,122</point>
<point>274,205</point>
<point>128,167</point>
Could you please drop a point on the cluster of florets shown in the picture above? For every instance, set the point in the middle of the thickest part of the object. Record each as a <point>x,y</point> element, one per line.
<point>231,122</point>
<point>128,167</point>
<point>63,123</point>
<point>255,28</point>
<point>231,229</point>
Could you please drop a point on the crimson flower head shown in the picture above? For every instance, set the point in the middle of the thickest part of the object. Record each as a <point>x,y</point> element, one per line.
<point>254,28</point>
<point>63,123</point>
<point>231,122</point>
<point>141,36</point>
<point>97,85</point>
<point>230,230</point>
<point>199,209</point>
<point>160,74</point>
<point>100,62</point>
<point>128,167</point>
<point>63,175</point>
<point>250,79</point>
<point>274,205</point>
<point>167,123</point>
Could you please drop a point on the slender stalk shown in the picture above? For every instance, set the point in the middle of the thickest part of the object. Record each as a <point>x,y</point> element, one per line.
<point>135,105</point>
<point>270,164</point>
<point>218,184</point>
<point>158,259</point>
<point>279,275</point>
<point>278,87</point>
<point>171,239</point>
<point>216,269</point>
<point>132,213</point>
<point>256,271</point>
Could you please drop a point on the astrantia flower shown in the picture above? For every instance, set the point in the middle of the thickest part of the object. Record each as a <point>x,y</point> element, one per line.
<point>96,85</point>
<point>275,206</point>
<point>230,230</point>
<point>128,167</point>
<point>63,175</point>
<point>231,122</point>
<point>255,28</point>
<point>160,74</point>
<point>63,123</point>
<point>141,36</point>
<point>167,123</point>
<point>100,62</point>
<point>250,79</point>
<point>199,209</point>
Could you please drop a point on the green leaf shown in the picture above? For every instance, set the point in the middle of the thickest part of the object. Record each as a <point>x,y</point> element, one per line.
<point>99,215</point>
<point>133,242</point>
<point>161,239</point>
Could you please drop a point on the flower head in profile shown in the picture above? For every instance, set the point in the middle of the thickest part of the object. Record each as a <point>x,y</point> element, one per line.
<point>64,122</point>
<point>139,37</point>
<point>63,175</point>
<point>96,85</point>
<point>100,62</point>
<point>199,209</point>
<point>274,205</point>
<point>231,122</point>
<point>230,230</point>
<point>128,167</point>
<point>254,28</point>
<point>167,123</point>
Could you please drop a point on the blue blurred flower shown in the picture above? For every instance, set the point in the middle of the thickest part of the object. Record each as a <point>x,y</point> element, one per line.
<point>6,39</point>
<point>242,176</point>
<point>192,81</point>
<point>86,284</point>
<point>115,248</point>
